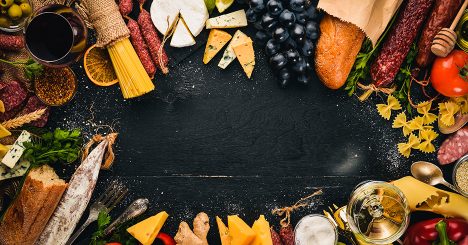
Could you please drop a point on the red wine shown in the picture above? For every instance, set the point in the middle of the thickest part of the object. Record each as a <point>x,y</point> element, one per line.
<point>49,36</point>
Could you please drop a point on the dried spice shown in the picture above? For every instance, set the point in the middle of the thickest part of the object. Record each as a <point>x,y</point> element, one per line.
<point>56,86</point>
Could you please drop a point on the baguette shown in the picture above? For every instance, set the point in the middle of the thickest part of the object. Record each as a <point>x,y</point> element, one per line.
<point>337,48</point>
<point>29,213</point>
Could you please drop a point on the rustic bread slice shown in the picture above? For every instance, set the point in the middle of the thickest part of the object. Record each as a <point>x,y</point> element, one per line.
<point>28,215</point>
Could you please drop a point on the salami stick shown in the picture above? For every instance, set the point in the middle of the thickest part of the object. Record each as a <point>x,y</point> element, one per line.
<point>9,42</point>
<point>454,147</point>
<point>398,43</point>
<point>441,16</point>
<point>125,7</point>
<point>153,41</point>
<point>140,47</point>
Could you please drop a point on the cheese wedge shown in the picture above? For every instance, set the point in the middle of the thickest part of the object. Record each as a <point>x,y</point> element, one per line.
<point>231,20</point>
<point>2,107</point>
<point>3,150</point>
<point>240,232</point>
<point>229,56</point>
<point>262,229</point>
<point>16,151</point>
<point>216,41</point>
<point>147,230</point>
<point>223,232</point>
<point>246,56</point>
<point>164,12</point>
<point>182,36</point>
<point>4,132</point>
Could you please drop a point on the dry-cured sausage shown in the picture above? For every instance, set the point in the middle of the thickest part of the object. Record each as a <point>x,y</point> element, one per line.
<point>140,47</point>
<point>10,42</point>
<point>152,40</point>
<point>13,95</point>
<point>441,16</point>
<point>125,7</point>
<point>398,42</point>
<point>454,147</point>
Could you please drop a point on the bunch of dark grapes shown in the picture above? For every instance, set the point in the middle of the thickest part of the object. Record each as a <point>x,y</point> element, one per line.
<point>288,30</point>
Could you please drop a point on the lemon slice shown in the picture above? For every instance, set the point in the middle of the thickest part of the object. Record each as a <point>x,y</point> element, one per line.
<point>222,5</point>
<point>98,67</point>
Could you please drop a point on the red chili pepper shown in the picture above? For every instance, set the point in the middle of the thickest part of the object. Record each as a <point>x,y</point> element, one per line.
<point>426,232</point>
<point>166,239</point>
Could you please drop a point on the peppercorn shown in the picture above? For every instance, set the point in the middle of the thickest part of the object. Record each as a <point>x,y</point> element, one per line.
<point>56,86</point>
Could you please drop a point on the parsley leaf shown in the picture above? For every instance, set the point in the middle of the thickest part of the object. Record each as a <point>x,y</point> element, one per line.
<point>102,222</point>
<point>403,79</point>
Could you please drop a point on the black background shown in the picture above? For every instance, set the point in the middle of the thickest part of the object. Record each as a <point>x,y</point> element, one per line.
<point>212,140</point>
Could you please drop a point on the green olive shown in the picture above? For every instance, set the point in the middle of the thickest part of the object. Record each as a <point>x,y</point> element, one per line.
<point>4,22</point>
<point>26,9</point>
<point>21,1</point>
<point>15,12</point>
<point>6,3</point>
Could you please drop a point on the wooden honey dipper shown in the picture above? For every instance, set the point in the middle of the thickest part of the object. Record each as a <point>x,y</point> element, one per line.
<point>445,40</point>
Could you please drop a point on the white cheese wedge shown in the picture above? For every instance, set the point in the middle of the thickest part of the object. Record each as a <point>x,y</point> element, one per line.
<point>231,20</point>
<point>16,151</point>
<point>229,56</point>
<point>182,37</point>
<point>164,12</point>
<point>19,170</point>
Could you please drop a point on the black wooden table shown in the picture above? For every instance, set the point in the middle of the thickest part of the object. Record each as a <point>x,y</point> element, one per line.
<point>212,140</point>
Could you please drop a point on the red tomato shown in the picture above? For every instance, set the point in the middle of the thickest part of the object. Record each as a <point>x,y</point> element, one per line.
<point>449,75</point>
<point>166,239</point>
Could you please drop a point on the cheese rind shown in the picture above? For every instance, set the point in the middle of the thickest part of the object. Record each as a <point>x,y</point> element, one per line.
<point>229,56</point>
<point>262,229</point>
<point>223,232</point>
<point>147,230</point>
<point>231,20</point>
<point>16,151</point>
<point>182,36</point>
<point>240,232</point>
<point>246,56</point>
<point>216,41</point>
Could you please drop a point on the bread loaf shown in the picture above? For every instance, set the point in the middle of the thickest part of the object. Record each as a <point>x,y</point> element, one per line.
<point>337,48</point>
<point>28,215</point>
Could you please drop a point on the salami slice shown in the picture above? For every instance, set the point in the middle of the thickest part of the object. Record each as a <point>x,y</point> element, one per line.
<point>13,95</point>
<point>454,147</point>
<point>34,104</point>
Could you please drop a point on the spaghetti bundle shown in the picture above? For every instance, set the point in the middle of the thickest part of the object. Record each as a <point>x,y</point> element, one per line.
<point>113,34</point>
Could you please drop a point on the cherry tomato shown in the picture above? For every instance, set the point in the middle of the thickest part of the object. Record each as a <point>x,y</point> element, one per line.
<point>166,239</point>
<point>449,75</point>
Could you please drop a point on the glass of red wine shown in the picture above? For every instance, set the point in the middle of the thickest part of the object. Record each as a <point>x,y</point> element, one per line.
<point>56,36</point>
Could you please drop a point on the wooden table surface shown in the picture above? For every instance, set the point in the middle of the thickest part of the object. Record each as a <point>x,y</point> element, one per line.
<point>212,140</point>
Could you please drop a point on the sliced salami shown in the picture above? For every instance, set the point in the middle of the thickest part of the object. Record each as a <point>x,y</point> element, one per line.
<point>13,95</point>
<point>34,104</point>
<point>454,147</point>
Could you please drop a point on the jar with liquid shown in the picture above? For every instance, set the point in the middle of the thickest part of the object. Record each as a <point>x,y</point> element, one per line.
<point>377,212</point>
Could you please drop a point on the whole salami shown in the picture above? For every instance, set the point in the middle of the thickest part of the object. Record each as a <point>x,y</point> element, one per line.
<point>152,40</point>
<point>275,238</point>
<point>75,199</point>
<point>454,147</point>
<point>125,7</point>
<point>398,42</point>
<point>13,95</point>
<point>441,16</point>
<point>140,47</point>
<point>10,42</point>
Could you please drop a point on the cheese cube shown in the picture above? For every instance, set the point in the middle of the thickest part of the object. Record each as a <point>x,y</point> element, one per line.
<point>231,20</point>
<point>246,56</point>
<point>240,232</point>
<point>216,41</point>
<point>229,56</point>
<point>147,230</point>
<point>16,151</point>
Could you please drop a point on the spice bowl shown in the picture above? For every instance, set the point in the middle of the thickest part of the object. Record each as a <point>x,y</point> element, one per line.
<point>460,175</point>
<point>56,86</point>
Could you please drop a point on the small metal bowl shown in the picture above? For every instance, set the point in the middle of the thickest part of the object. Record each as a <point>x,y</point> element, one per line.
<point>464,159</point>
<point>19,25</point>
<point>73,81</point>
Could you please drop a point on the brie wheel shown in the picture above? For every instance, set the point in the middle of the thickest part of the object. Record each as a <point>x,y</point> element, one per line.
<point>182,36</point>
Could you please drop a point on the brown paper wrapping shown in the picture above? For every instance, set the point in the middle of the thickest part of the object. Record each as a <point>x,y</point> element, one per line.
<point>371,16</point>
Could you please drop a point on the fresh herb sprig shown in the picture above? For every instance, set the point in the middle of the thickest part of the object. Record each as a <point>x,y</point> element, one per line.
<point>62,146</point>
<point>403,79</point>
<point>32,69</point>
<point>102,222</point>
<point>120,234</point>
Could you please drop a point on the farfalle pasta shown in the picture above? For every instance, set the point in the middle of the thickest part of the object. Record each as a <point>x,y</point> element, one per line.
<point>385,110</point>
<point>400,121</point>
<point>423,109</point>
<point>447,111</point>
<point>426,137</point>
<point>405,148</point>
<point>462,102</point>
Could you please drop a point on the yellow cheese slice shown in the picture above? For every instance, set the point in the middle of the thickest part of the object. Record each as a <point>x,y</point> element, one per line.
<point>229,55</point>
<point>240,232</point>
<point>262,228</point>
<point>223,232</point>
<point>216,41</point>
<point>147,230</point>
<point>3,150</point>
<point>246,56</point>
<point>4,132</point>
<point>2,107</point>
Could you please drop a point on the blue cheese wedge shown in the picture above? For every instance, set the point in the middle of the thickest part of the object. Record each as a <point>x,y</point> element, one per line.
<point>229,56</point>
<point>231,20</point>
<point>16,151</point>
<point>19,170</point>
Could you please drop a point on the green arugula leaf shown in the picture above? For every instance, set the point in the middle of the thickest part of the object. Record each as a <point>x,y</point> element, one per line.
<point>210,5</point>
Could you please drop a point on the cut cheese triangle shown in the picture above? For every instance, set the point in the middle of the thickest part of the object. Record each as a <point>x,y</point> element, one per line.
<point>3,150</point>
<point>216,41</point>
<point>246,56</point>
<point>2,107</point>
<point>231,20</point>
<point>147,230</point>
<point>182,36</point>
<point>262,229</point>
<point>4,132</point>
<point>229,55</point>
<point>240,232</point>
<point>223,232</point>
